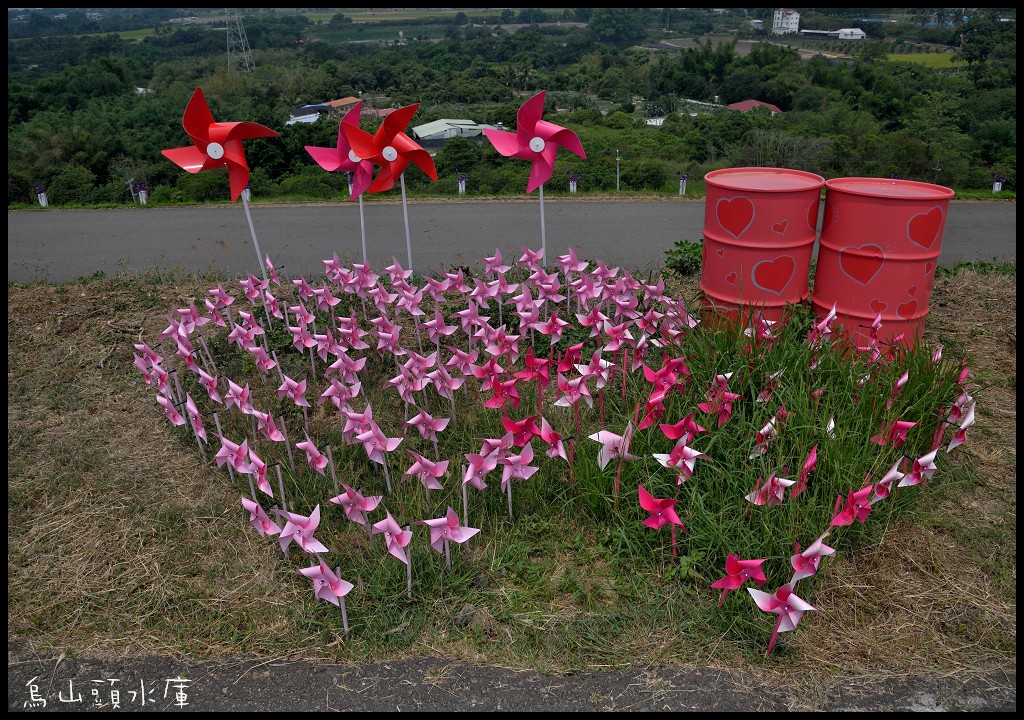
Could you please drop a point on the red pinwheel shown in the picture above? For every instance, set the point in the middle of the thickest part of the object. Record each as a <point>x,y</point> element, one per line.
<point>390,148</point>
<point>535,140</point>
<point>216,145</point>
<point>343,158</point>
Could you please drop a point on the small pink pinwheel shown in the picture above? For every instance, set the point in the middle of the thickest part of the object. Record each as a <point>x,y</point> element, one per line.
<point>377,445</point>
<point>390,148</point>
<point>239,396</point>
<point>806,563</point>
<point>921,471</point>
<point>535,140</point>
<point>784,603</point>
<point>295,391</point>
<point>299,529</point>
<point>428,426</point>
<point>662,512</point>
<point>259,519</point>
<point>822,331</point>
<point>235,455</point>
<point>961,434</point>
<point>195,418</point>
<point>428,472</point>
<point>170,412</point>
<point>738,572</point>
<point>522,430</point>
<point>613,446</point>
<point>772,492</point>
<point>883,488</point>
<point>326,584</point>
<point>356,504</point>
<point>719,399</point>
<point>895,433</point>
<point>805,472</point>
<point>685,430</point>
<point>316,459</point>
<point>258,471</point>
<point>479,464</point>
<point>395,538</point>
<point>682,458</point>
<point>518,466</point>
<point>215,145</point>
<point>447,529</point>
<point>858,506</point>
<point>267,427</point>
<point>209,383</point>
<point>897,387</point>
<point>343,158</point>
<point>556,448</point>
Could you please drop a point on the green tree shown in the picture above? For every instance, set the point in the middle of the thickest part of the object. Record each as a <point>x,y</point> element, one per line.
<point>616,26</point>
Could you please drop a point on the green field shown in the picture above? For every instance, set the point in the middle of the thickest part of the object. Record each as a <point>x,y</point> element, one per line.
<point>940,61</point>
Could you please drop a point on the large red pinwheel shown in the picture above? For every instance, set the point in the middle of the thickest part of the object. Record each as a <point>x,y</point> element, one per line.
<point>390,148</point>
<point>217,145</point>
<point>343,158</point>
<point>535,140</point>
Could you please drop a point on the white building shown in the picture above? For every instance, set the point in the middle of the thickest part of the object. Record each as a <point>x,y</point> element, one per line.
<point>785,21</point>
<point>850,34</point>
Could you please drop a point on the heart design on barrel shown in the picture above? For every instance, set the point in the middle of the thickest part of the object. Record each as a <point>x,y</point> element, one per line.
<point>773,275</point>
<point>906,310</point>
<point>877,306</point>
<point>862,263</point>
<point>731,278</point>
<point>780,227</point>
<point>923,229</point>
<point>735,215</point>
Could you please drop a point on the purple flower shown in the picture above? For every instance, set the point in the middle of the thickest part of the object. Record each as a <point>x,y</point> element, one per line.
<point>38,188</point>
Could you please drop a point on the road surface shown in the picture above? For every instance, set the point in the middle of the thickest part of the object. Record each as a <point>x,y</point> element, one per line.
<point>61,245</point>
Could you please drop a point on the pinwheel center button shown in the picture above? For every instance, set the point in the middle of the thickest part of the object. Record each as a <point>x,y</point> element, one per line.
<point>353,157</point>
<point>390,154</point>
<point>537,144</point>
<point>215,150</point>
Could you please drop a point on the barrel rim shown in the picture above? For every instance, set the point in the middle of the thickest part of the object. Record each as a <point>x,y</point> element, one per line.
<point>713,178</point>
<point>940,192</point>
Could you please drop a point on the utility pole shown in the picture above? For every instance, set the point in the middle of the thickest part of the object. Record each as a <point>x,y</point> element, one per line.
<point>238,44</point>
<point>616,169</point>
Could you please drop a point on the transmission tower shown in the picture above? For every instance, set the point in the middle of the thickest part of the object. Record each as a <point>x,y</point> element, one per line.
<point>238,44</point>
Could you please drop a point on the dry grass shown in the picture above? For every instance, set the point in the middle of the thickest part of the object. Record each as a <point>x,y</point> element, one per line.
<point>122,542</point>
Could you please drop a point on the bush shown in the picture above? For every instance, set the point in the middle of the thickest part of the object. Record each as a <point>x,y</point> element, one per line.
<point>685,257</point>
<point>644,176</point>
<point>75,184</point>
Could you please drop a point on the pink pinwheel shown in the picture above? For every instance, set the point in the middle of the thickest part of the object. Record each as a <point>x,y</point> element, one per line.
<point>662,512</point>
<point>784,603</point>
<point>522,430</point>
<point>377,445</point>
<point>295,391</point>
<point>209,383</point>
<point>806,563</point>
<point>259,519</point>
<point>299,529</point>
<point>195,418</point>
<point>772,492</point>
<point>343,158</point>
<point>961,434</point>
<point>395,539</point>
<point>883,488</point>
<point>316,459</point>
<point>535,140</point>
<point>478,468</point>
<point>685,430</point>
<point>426,471</point>
<point>326,584</point>
<point>239,397</point>
<point>613,446</point>
<point>237,456</point>
<point>719,399</point>
<point>683,459</point>
<point>267,427</point>
<point>518,466</point>
<point>858,506</point>
<point>897,387</point>
<point>921,471</point>
<point>895,433</point>
<point>170,412</point>
<point>216,145</point>
<point>390,148</point>
<point>738,572</point>
<point>356,505</point>
<point>447,529</point>
<point>822,330</point>
<point>556,448</point>
<point>805,472</point>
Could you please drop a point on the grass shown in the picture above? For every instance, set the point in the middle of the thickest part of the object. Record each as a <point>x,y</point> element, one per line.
<point>940,61</point>
<point>122,541</point>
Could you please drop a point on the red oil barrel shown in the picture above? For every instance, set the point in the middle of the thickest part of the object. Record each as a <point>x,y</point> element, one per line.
<point>880,243</point>
<point>759,230</point>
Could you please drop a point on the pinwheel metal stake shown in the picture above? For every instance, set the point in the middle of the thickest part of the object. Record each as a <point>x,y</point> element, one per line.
<point>538,141</point>
<point>392,150</point>
<point>219,145</point>
<point>345,159</point>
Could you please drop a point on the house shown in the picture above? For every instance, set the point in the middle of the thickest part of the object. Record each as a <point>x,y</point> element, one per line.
<point>849,34</point>
<point>748,105</point>
<point>341,104</point>
<point>757,24</point>
<point>446,128</point>
<point>785,21</point>
<point>383,113</point>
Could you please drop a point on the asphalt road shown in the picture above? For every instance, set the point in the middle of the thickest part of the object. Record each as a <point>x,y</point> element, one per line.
<point>60,245</point>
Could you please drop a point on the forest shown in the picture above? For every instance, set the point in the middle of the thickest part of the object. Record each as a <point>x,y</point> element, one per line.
<point>93,99</point>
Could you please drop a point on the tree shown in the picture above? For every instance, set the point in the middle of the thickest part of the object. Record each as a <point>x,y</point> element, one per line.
<point>617,26</point>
